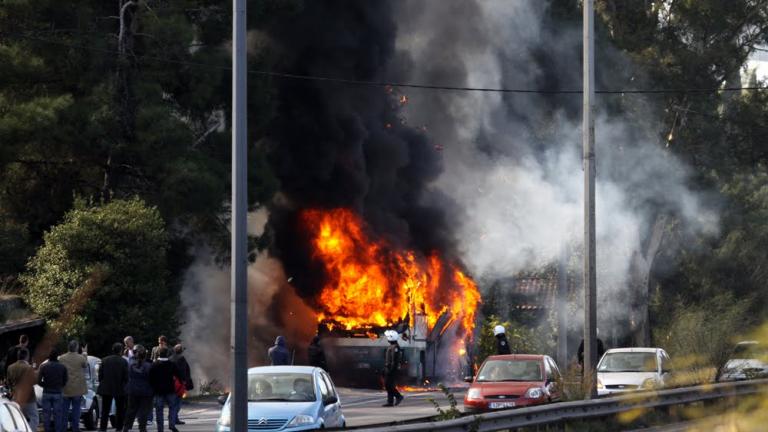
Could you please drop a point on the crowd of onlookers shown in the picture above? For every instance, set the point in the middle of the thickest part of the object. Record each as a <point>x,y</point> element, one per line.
<point>132,378</point>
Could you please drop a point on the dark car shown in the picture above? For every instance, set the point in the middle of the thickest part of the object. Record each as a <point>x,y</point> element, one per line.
<point>512,381</point>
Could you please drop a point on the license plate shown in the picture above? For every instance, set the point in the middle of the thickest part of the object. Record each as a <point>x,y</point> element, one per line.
<point>499,405</point>
<point>363,365</point>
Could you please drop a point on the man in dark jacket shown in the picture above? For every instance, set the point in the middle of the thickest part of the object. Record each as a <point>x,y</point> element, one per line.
<point>181,364</point>
<point>600,352</point>
<point>392,359</point>
<point>162,342</point>
<point>316,354</point>
<point>502,344</point>
<point>113,375</point>
<point>278,354</point>
<point>52,378</point>
<point>161,376</point>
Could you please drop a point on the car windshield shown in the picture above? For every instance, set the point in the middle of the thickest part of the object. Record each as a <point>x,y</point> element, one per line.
<point>510,370</point>
<point>749,351</point>
<point>628,362</point>
<point>281,387</point>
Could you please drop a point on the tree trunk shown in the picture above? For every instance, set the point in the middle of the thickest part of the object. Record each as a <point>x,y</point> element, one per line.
<point>641,277</point>
<point>123,92</point>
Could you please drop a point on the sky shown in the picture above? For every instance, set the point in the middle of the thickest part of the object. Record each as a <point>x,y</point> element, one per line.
<point>759,61</point>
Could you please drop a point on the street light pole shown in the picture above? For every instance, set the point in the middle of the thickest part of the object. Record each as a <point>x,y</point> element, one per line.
<point>239,263</point>
<point>588,142</point>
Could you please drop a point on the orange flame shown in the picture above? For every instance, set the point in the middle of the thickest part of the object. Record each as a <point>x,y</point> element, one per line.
<point>370,284</point>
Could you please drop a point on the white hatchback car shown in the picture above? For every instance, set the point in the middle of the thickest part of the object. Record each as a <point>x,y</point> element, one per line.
<point>11,418</point>
<point>288,398</point>
<point>624,370</point>
<point>749,361</point>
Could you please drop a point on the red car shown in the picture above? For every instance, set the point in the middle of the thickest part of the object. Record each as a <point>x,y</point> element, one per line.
<point>511,381</point>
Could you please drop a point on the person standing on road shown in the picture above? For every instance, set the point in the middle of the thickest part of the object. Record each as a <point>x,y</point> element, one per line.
<point>316,354</point>
<point>392,359</point>
<point>161,376</point>
<point>138,391</point>
<point>76,386</point>
<point>162,342</point>
<point>13,353</point>
<point>181,364</point>
<point>580,353</point>
<point>278,354</point>
<point>113,375</point>
<point>52,378</point>
<point>21,380</point>
<point>502,344</point>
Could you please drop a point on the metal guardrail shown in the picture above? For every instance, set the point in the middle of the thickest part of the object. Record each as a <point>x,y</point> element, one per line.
<point>580,410</point>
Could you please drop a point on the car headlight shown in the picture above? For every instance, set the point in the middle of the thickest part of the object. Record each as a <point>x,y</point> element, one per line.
<point>600,384</point>
<point>301,420</point>
<point>226,417</point>
<point>474,394</point>
<point>534,393</point>
<point>82,403</point>
<point>650,383</point>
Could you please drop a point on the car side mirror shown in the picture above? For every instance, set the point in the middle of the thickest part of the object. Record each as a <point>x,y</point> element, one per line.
<point>469,378</point>
<point>222,399</point>
<point>330,400</point>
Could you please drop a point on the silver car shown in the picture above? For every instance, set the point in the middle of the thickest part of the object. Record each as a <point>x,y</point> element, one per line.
<point>288,398</point>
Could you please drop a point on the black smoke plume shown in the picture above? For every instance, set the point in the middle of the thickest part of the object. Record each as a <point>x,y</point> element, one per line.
<point>340,145</point>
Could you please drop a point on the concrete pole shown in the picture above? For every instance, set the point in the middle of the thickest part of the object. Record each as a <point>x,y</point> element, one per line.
<point>588,138</point>
<point>562,303</point>
<point>239,281</point>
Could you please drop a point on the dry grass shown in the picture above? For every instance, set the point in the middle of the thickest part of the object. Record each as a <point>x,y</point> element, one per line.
<point>574,387</point>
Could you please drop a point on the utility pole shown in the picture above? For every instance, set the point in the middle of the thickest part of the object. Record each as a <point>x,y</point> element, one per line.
<point>239,263</point>
<point>588,142</point>
<point>562,303</point>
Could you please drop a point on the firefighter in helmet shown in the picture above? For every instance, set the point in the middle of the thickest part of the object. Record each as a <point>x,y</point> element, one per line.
<point>502,344</point>
<point>392,358</point>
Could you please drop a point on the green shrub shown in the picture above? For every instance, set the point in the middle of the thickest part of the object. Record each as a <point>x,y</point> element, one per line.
<point>700,337</point>
<point>101,275</point>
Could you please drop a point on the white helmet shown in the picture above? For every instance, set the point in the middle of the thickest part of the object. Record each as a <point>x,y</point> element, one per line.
<point>499,329</point>
<point>391,335</point>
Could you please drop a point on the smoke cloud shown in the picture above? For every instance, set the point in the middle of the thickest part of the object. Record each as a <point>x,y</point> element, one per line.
<point>513,162</point>
<point>488,179</point>
<point>273,309</point>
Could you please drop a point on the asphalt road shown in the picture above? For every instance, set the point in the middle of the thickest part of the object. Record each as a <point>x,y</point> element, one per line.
<point>361,407</point>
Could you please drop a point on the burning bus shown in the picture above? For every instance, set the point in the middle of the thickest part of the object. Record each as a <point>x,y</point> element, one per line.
<point>356,356</point>
<point>370,286</point>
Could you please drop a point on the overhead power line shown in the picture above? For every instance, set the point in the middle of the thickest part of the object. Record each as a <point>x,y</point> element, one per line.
<point>394,84</point>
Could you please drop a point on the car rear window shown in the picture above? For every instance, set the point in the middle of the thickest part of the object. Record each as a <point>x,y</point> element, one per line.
<point>510,370</point>
<point>281,387</point>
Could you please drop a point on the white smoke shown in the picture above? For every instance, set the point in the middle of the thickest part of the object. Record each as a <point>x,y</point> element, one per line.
<point>206,301</point>
<point>513,163</point>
